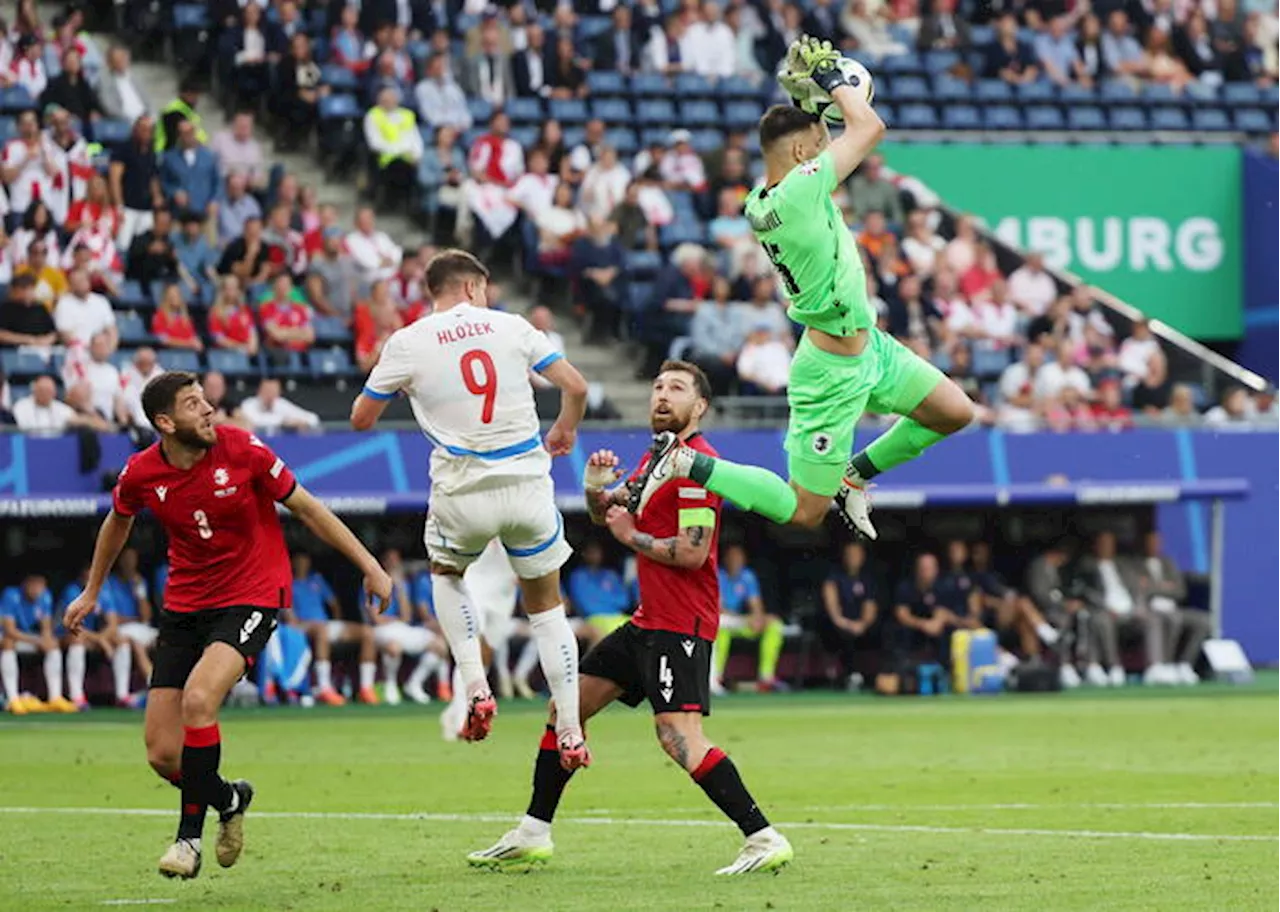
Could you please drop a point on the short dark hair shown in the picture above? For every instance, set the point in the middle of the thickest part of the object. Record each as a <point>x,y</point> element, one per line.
<point>450,266</point>
<point>783,120</point>
<point>700,381</point>
<point>161,392</point>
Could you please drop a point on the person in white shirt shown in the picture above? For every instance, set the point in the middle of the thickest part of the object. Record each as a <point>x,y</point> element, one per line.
<point>440,98</point>
<point>1031,288</point>
<point>464,369</point>
<point>1136,353</point>
<point>92,365</point>
<point>27,164</point>
<point>709,46</point>
<point>534,190</point>
<point>1235,407</point>
<point>134,378</point>
<point>269,412</point>
<point>920,245</point>
<point>239,152</point>
<point>765,360</point>
<point>544,321</point>
<point>41,413</point>
<point>604,185</point>
<point>375,255</point>
<point>1061,373</point>
<point>82,313</point>
<point>681,168</point>
<point>997,316</point>
<point>1118,603</point>
<point>1017,410</point>
<point>118,91</point>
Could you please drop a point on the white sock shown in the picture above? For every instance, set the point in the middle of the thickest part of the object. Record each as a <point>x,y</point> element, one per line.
<point>391,669</point>
<point>502,659</point>
<point>459,701</point>
<point>121,669</point>
<point>75,672</point>
<point>428,664</point>
<point>558,650</point>
<point>461,628</point>
<point>368,671</point>
<point>1047,634</point>
<point>532,826</point>
<point>528,659</point>
<point>9,673</point>
<point>324,675</point>
<point>53,673</point>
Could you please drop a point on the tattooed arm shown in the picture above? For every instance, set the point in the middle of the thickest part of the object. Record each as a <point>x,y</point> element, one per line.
<point>688,549</point>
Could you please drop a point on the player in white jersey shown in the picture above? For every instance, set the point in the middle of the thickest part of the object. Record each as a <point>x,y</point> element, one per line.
<point>465,370</point>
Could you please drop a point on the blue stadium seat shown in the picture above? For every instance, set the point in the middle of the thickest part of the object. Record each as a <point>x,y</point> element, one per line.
<point>15,99</point>
<point>1213,120</point>
<point>1002,117</point>
<point>111,132</point>
<point>940,61</point>
<point>339,79</point>
<point>740,87</point>
<point>132,296</point>
<point>742,115</point>
<point>961,117</point>
<point>1251,120</point>
<point>524,110</point>
<point>699,113</point>
<point>339,107</point>
<point>1077,95</point>
<point>606,84</point>
<point>902,63</point>
<point>613,111</point>
<point>1168,119</point>
<point>231,363</point>
<point>1043,117</point>
<point>1160,94</point>
<point>330,330</point>
<point>911,88</point>
<point>1039,91</point>
<point>1197,93</point>
<point>680,232</point>
<point>1128,119</point>
<point>650,85</point>
<point>1241,94</point>
<point>1270,97</point>
<point>24,363</point>
<point>285,364</point>
<point>643,263</point>
<point>655,113</point>
<point>590,28</point>
<point>693,85</point>
<point>479,109</point>
<point>948,88</point>
<point>641,293</point>
<point>992,90</point>
<point>526,136</point>
<point>707,141</point>
<point>1117,91</point>
<point>654,136</point>
<point>331,362</point>
<point>567,110</point>
<point>981,35</point>
<point>573,136</point>
<point>682,204</point>
<point>917,117</point>
<point>989,362</point>
<point>1086,118</point>
<point>8,129</point>
<point>131,328</point>
<point>179,359</point>
<point>190,16</point>
<point>624,141</point>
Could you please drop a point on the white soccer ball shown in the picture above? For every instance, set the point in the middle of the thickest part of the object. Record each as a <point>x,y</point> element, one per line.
<point>818,102</point>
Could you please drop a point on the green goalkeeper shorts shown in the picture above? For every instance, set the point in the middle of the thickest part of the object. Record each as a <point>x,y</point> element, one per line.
<point>828,393</point>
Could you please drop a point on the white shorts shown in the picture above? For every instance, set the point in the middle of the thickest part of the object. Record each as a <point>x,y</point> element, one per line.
<point>140,633</point>
<point>334,631</point>
<point>410,639</point>
<point>491,586</point>
<point>23,648</point>
<point>523,516</point>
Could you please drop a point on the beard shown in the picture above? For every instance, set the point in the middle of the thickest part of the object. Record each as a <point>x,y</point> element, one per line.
<point>670,420</point>
<point>191,438</point>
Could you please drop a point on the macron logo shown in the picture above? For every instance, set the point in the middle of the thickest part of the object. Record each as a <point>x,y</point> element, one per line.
<point>687,646</point>
<point>161,491</point>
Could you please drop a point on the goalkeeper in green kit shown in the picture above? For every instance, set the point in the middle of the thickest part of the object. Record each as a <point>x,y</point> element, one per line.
<point>843,364</point>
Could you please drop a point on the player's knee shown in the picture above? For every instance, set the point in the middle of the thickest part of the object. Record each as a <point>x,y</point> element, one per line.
<point>199,706</point>
<point>956,414</point>
<point>810,512</point>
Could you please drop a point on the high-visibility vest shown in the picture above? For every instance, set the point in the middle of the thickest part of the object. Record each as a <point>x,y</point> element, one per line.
<point>186,111</point>
<point>391,127</point>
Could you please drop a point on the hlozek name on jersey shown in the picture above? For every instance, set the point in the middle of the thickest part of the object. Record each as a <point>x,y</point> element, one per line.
<point>463,331</point>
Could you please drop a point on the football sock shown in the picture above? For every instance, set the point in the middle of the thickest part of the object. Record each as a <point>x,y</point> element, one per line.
<point>9,673</point>
<point>428,663</point>
<point>904,441</point>
<point>750,487</point>
<point>391,669</point>
<point>720,652</point>
<point>461,627</point>
<point>770,649</point>
<point>324,675</point>
<point>558,651</point>
<point>75,672</point>
<point>53,673</point>
<point>368,671</point>
<point>202,787</point>
<point>502,659</point>
<point>121,669</point>
<point>528,659</point>
<point>718,777</point>
<point>549,779</point>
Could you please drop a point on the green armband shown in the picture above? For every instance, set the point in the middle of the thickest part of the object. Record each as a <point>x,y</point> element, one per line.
<point>699,516</point>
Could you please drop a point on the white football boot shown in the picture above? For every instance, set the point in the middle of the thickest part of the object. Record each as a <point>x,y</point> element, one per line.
<point>765,851</point>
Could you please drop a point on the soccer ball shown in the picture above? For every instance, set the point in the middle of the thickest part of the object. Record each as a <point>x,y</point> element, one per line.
<point>818,102</point>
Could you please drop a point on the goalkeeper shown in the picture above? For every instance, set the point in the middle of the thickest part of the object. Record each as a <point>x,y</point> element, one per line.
<point>843,364</point>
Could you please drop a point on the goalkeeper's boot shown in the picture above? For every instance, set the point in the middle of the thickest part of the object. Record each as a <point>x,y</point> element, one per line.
<point>231,825</point>
<point>515,851</point>
<point>481,708</point>
<point>181,860</point>
<point>765,851</point>
<point>574,753</point>
<point>668,459</point>
<point>854,503</point>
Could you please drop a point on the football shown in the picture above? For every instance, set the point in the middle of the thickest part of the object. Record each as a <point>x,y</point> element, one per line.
<point>819,102</point>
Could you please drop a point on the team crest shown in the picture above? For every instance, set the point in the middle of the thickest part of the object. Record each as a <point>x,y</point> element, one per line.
<point>220,476</point>
<point>821,443</point>
<point>810,167</point>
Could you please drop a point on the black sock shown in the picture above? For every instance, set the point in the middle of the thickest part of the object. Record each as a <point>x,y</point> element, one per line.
<point>549,779</point>
<point>719,778</point>
<point>862,463</point>
<point>202,787</point>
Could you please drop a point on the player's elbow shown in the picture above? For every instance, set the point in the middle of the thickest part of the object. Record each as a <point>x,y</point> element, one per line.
<point>362,418</point>
<point>690,559</point>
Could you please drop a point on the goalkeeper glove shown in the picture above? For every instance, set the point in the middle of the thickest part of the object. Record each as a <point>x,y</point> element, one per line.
<point>820,61</point>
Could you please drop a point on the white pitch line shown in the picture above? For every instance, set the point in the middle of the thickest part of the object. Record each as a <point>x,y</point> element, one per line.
<point>642,821</point>
<point>1104,806</point>
<point>136,902</point>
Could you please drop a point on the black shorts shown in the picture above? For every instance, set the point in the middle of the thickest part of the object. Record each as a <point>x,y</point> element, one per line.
<point>672,671</point>
<point>184,635</point>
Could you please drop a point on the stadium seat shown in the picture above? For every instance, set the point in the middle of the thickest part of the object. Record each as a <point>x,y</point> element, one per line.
<point>707,140</point>
<point>643,263</point>
<point>654,136</point>
<point>1251,120</point>
<point>526,136</point>
<point>339,79</point>
<point>1160,94</point>
<point>699,113</point>
<point>285,364</point>
<point>681,232</point>
<point>1117,91</point>
<point>981,35</point>
<point>15,100</point>
<point>650,85</point>
<point>992,90</point>
<point>742,115</point>
<point>911,88</point>
<point>1241,94</point>
<point>231,363</point>
<point>948,88</point>
<point>132,296</point>
<point>1039,91</point>
<point>692,85</point>
<point>739,87</point>
<point>8,129</point>
<point>339,107</point>
<point>1168,119</point>
<point>567,110</point>
<point>479,109</point>
<point>330,362</point>
<point>330,330</point>
<point>1197,93</point>
<point>902,63</point>
<point>989,362</point>
<point>1086,118</point>
<point>1003,117</point>
<point>1128,119</point>
<point>110,132</point>
<point>961,117</point>
<point>940,61</point>
<point>1210,120</point>
<point>590,28</point>
<point>624,141</point>
<point>917,117</point>
<point>1044,118</point>
<point>23,363</point>
<point>131,328</point>
<point>615,112</point>
<point>1077,95</point>
<point>655,112</point>
<point>606,84</point>
<point>180,359</point>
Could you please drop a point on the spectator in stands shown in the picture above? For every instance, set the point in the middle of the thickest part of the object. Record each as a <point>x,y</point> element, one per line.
<point>920,244</point>
<point>1008,611</point>
<point>729,229</point>
<point>566,73</point>
<point>134,378</point>
<point>997,316</point>
<point>375,255</point>
<point>332,281</point>
<point>1060,373</point>
<point>231,323</point>
<point>1007,57</point>
<point>1151,394</point>
<point>81,313</point>
<point>37,225</point>
<point>225,408</point>
<point>299,92</point>
<point>286,319</point>
<point>95,252</point>
<point>867,24</point>
<point>1163,68</point>
<point>1089,45</point>
<point>440,99</point>
<point>1109,411</point>
<point>189,174</point>
<point>1196,50</point>
<point>440,178</point>
<point>347,43</point>
<point>1113,587</point>
<point>51,282</point>
<point>1031,288</point>
<point>635,232</point>
<point>1137,352</point>
<point>977,280</point>
<point>247,257</point>
<point>236,208</point>
<point>1018,408</point>
<point>708,46</point>
<point>376,321</point>
<point>23,319</point>
<point>239,152</point>
<point>40,413</point>
<point>559,226</point>
<point>850,610</point>
<point>529,66</point>
<point>134,176</point>
<point>764,364</point>
<point>94,210</point>
<point>743,616</point>
<point>27,65</point>
<point>604,185</point>
<point>941,29</point>
<point>921,620</point>
<point>598,595</point>
<point>871,192</point>
<point>1057,53</point>
<point>172,323</point>
<point>487,74</point>
<point>92,365</point>
<point>269,412</point>
<point>71,91</point>
<point>1233,408</point>
<point>681,168</point>
<point>286,248</point>
<point>151,256</point>
<point>551,141</point>
<point>716,335</point>
<point>391,133</point>
<point>1122,55</point>
<point>495,162</point>
<point>913,317</point>
<point>1068,411</point>
<point>197,260</point>
<point>1185,629</point>
<point>118,92</point>
<point>620,48</point>
<point>599,263</point>
<point>584,153</point>
<point>962,250</point>
<point>250,73</point>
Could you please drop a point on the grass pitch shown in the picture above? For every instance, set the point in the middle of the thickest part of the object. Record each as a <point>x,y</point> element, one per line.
<point>1089,801</point>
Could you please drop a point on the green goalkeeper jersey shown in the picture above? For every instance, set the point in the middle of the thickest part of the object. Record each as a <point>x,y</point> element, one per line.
<point>805,236</point>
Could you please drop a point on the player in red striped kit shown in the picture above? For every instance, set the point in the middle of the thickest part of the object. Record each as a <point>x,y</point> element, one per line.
<point>214,491</point>
<point>663,654</point>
